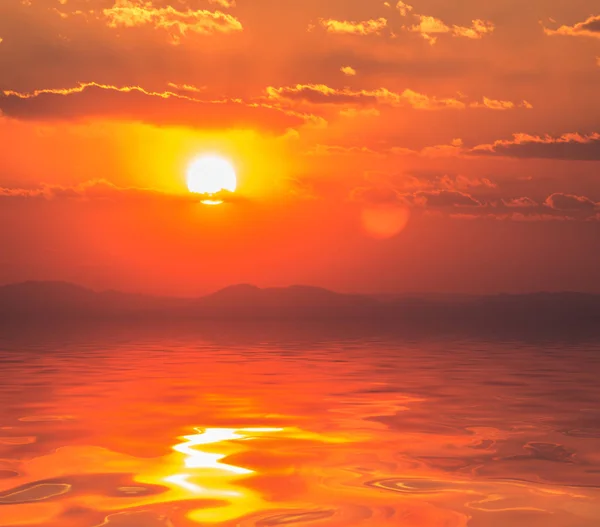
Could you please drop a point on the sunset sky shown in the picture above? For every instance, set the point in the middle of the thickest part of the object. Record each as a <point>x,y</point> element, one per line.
<point>428,146</point>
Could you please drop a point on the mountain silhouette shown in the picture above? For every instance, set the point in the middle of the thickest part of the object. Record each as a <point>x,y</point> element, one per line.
<point>52,298</point>
<point>48,300</point>
<point>64,297</point>
<point>273,297</point>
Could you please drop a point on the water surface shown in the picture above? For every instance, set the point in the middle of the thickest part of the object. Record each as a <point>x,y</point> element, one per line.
<point>238,425</point>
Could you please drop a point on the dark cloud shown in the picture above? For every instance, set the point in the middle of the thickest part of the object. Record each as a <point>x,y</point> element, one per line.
<point>512,216</point>
<point>445,198</point>
<point>573,146</point>
<point>136,104</point>
<point>520,203</point>
<point>587,28</point>
<point>592,24</point>
<point>104,190</point>
<point>97,189</point>
<point>556,207</point>
<point>570,202</point>
<point>424,198</point>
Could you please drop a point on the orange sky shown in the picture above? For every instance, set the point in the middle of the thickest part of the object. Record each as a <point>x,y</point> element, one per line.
<point>380,146</point>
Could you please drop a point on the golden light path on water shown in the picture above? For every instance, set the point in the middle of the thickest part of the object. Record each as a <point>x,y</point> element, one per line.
<point>197,481</point>
<point>206,475</point>
<point>232,438</point>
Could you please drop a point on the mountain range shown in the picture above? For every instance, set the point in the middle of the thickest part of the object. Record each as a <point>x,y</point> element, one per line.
<point>50,300</point>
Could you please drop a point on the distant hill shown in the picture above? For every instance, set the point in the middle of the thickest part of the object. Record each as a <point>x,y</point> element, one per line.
<point>281,297</point>
<point>544,310</point>
<point>55,298</point>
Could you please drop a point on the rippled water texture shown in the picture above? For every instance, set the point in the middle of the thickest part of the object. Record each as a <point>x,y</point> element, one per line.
<point>236,426</point>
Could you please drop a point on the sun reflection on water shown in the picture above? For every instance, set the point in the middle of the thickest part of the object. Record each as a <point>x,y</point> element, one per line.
<point>208,475</point>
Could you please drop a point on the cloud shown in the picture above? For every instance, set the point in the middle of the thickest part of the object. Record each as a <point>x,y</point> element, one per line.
<point>346,27</point>
<point>444,195</point>
<point>518,216</point>
<point>569,146</point>
<point>327,150</point>
<point>429,26</point>
<point>458,182</point>
<point>320,94</point>
<point>87,85</point>
<point>514,216</point>
<point>454,149</point>
<point>186,87</point>
<point>97,189</point>
<point>572,146</point>
<point>412,183</point>
<point>424,102</point>
<point>570,202</point>
<point>137,13</point>
<point>104,190</point>
<point>134,103</point>
<point>588,28</point>
<point>444,198</point>
<point>348,70</point>
<point>556,207</point>
<point>494,104</point>
<point>461,182</point>
<point>225,4</point>
<point>361,112</point>
<point>477,29</point>
<point>404,9</point>
<point>387,195</point>
<point>520,203</point>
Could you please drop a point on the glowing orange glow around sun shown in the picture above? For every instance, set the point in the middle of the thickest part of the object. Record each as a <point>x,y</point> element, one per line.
<point>210,175</point>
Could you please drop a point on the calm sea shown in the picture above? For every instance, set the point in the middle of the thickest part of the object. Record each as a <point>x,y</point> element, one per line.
<point>268,424</point>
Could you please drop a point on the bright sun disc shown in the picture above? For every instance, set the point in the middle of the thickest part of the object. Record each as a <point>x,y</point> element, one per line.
<point>210,175</point>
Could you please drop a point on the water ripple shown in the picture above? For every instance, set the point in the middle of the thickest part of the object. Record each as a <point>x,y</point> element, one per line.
<point>37,492</point>
<point>295,517</point>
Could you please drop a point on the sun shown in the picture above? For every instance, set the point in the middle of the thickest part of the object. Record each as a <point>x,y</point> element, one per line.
<point>210,175</point>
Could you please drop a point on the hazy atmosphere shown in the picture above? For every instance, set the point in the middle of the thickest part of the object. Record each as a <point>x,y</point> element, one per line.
<point>378,146</point>
<point>299,263</point>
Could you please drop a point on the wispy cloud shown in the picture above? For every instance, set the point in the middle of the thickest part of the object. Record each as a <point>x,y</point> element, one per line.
<point>495,104</point>
<point>587,28</point>
<point>225,4</point>
<point>569,146</point>
<point>321,93</point>
<point>96,189</point>
<point>570,202</point>
<point>136,13</point>
<point>573,146</point>
<point>135,103</point>
<point>347,27</point>
<point>430,27</point>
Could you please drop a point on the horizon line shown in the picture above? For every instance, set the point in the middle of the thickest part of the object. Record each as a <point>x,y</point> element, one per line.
<point>299,285</point>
